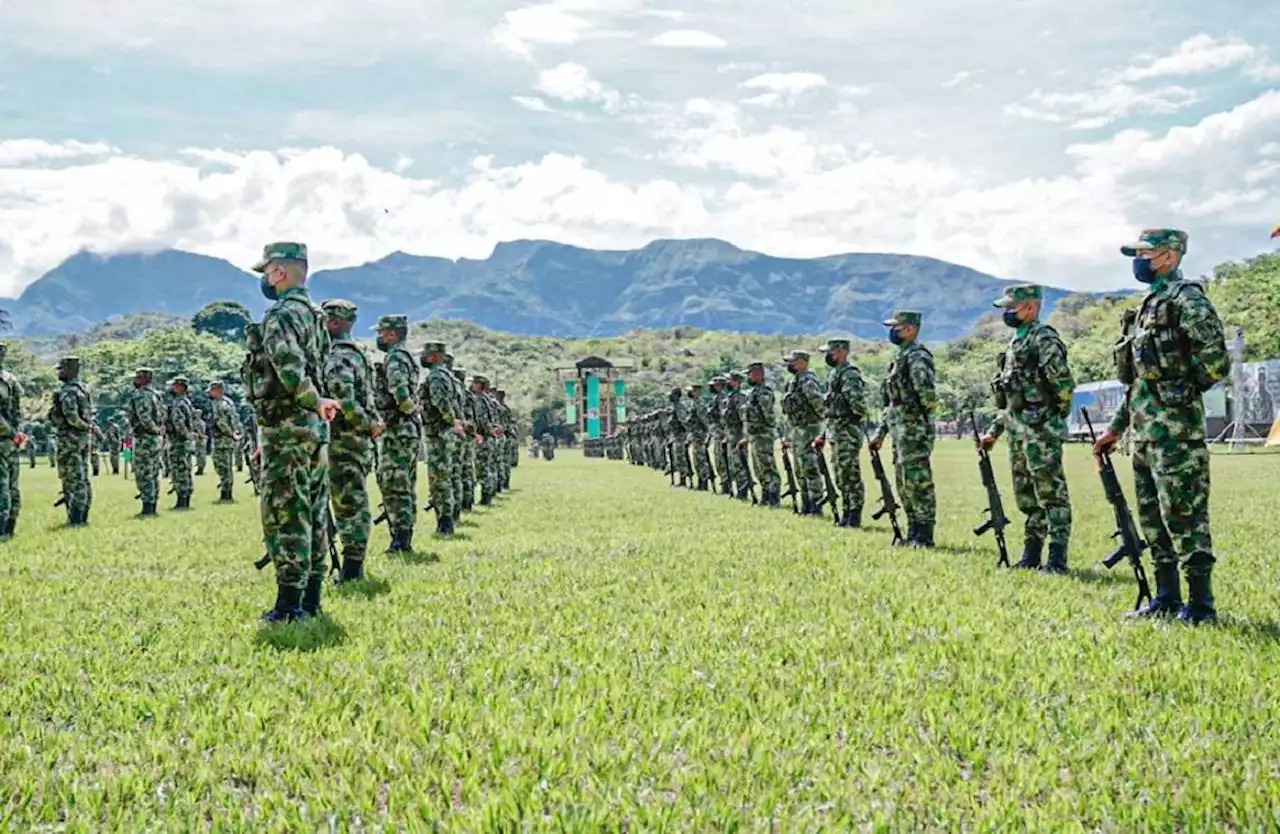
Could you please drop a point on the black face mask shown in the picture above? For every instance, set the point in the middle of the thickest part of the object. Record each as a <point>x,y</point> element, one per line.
<point>831,361</point>
<point>1011,319</point>
<point>791,369</point>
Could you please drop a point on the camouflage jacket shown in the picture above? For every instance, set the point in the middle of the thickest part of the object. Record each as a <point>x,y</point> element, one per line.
<point>1170,351</point>
<point>699,422</point>
<point>294,343</point>
<point>396,386</point>
<point>484,415</point>
<point>846,400</point>
<point>802,401</point>
<point>348,379</point>
<point>145,412</point>
<point>732,412</point>
<point>1033,386</point>
<point>715,413</point>
<point>10,406</point>
<point>438,400</point>
<point>908,390</point>
<point>757,410</point>
<point>678,419</point>
<point>223,419</point>
<point>180,419</point>
<point>72,410</point>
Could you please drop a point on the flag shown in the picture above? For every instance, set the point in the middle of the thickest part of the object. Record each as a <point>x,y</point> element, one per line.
<point>1275,233</point>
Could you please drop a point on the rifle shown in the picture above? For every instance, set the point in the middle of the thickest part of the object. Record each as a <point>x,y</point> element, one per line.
<point>62,499</point>
<point>688,464</point>
<point>254,481</point>
<point>996,519</point>
<point>670,455</point>
<point>1131,544</point>
<point>832,498</point>
<point>726,477</point>
<point>791,481</point>
<point>888,504</point>
<point>382,516</point>
<point>746,469</point>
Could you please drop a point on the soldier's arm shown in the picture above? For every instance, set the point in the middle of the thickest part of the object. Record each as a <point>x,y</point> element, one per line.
<point>1208,343</point>
<point>1054,365</point>
<point>921,369</point>
<point>813,394</point>
<point>399,381</point>
<point>340,384</point>
<point>1120,422</point>
<point>441,398</point>
<point>70,404</point>
<point>288,357</point>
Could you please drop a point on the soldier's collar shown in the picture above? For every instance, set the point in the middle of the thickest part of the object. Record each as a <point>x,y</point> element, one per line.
<point>291,292</point>
<point>1023,330</point>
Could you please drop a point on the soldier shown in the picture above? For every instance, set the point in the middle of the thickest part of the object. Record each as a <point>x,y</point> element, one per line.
<point>678,437</point>
<point>285,388</point>
<point>34,432</point>
<point>52,448</point>
<point>395,387</point>
<point>735,431</point>
<point>72,415</point>
<point>12,441</point>
<point>200,440</point>
<point>715,417</point>
<point>1033,390</point>
<point>225,427</point>
<point>147,419</point>
<point>802,404</point>
<point>508,437</point>
<point>761,430</point>
<point>699,434</point>
<point>95,443</point>
<point>487,434</point>
<point>457,440</point>
<point>909,399</point>
<point>180,431</point>
<point>113,436</point>
<point>846,412</point>
<point>1170,351</point>
<point>440,424</point>
<point>467,444</point>
<point>249,428</point>
<point>348,379</point>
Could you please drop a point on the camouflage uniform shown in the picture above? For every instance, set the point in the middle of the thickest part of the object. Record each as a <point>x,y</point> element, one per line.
<point>761,430</point>
<point>1170,352</point>
<point>485,426</point>
<point>146,416</point>
<point>72,415</point>
<point>224,423</point>
<point>699,434</point>
<point>678,420</point>
<point>200,444</point>
<point>179,426</point>
<point>348,379</point>
<point>506,443</point>
<point>438,420</point>
<point>112,438</point>
<point>1033,392</point>
<point>731,415</point>
<point>715,417</point>
<point>468,441</point>
<point>846,412</point>
<point>802,404</point>
<point>396,383</point>
<point>458,441</point>
<point>909,399</point>
<point>284,388</point>
<point>10,460</point>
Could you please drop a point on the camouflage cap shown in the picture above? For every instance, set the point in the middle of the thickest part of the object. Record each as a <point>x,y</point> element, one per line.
<point>178,380</point>
<point>392,322</point>
<point>834,343</point>
<point>1019,293</point>
<point>738,375</point>
<point>499,392</point>
<point>69,360</point>
<point>799,356</point>
<point>480,378</point>
<point>719,379</point>
<point>695,386</point>
<point>143,371</point>
<point>281,250</point>
<point>901,317</point>
<point>755,366</point>
<point>433,347</point>
<point>1174,239</point>
<point>340,308</point>
<point>459,373</point>
<point>448,359</point>
<point>215,384</point>
<point>675,392</point>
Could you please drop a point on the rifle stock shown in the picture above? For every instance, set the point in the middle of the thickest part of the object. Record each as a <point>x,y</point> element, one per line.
<point>996,519</point>
<point>1131,543</point>
<point>832,498</point>
<point>888,503</point>
<point>791,492</point>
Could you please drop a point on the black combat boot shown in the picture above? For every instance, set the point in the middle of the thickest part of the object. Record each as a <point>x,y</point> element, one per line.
<point>702,485</point>
<point>855,518</point>
<point>445,528</point>
<point>726,488</point>
<point>486,499</point>
<point>457,512</point>
<point>148,508</point>
<point>226,496</point>
<point>744,494</point>
<point>910,538</point>
<point>4,530</point>
<point>924,536</point>
<point>287,608</point>
<point>397,543</point>
<point>1199,607</point>
<point>352,566</point>
<point>1167,601</point>
<point>9,528</point>
<point>311,596</point>
<point>84,515</point>
<point>1032,549</point>
<point>1057,559</point>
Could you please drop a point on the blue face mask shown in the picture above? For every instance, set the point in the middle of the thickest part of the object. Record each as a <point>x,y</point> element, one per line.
<point>268,290</point>
<point>1011,319</point>
<point>895,338</point>
<point>1143,271</point>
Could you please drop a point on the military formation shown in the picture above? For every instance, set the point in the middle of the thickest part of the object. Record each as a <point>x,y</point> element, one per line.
<point>1170,351</point>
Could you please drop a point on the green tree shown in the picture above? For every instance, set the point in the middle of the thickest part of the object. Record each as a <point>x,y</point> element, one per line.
<point>224,319</point>
<point>1247,295</point>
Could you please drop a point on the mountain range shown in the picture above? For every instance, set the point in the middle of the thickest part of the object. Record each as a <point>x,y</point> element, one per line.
<point>539,287</point>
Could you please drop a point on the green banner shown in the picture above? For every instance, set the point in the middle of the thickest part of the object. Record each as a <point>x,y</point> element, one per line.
<point>619,401</point>
<point>570,403</point>
<point>593,407</point>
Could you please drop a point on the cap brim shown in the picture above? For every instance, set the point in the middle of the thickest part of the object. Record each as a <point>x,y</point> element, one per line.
<point>891,322</point>
<point>1003,302</point>
<point>261,266</point>
<point>1131,249</point>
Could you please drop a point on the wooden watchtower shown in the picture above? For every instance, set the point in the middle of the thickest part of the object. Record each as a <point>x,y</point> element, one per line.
<point>595,394</point>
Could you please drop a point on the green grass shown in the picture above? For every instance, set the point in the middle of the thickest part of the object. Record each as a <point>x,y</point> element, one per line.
<point>603,652</point>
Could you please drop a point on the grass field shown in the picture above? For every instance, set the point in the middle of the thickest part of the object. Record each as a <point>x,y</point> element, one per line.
<point>600,651</point>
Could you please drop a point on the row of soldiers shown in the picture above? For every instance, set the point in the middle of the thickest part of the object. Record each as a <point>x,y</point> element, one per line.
<point>1170,351</point>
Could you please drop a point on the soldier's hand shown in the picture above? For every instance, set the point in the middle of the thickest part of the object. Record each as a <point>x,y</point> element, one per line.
<point>20,440</point>
<point>988,441</point>
<point>875,443</point>
<point>458,428</point>
<point>1105,443</point>
<point>376,430</point>
<point>786,443</point>
<point>742,444</point>
<point>256,455</point>
<point>328,409</point>
<point>819,443</point>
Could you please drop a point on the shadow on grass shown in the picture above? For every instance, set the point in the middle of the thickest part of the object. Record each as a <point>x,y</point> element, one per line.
<point>455,537</point>
<point>413,557</point>
<point>1096,574</point>
<point>312,635</point>
<point>368,588</point>
<point>1268,630</point>
<point>465,523</point>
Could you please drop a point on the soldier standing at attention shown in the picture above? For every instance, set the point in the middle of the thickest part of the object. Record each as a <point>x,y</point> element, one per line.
<point>181,431</point>
<point>12,440</point>
<point>846,412</point>
<point>506,440</point>
<point>200,440</point>
<point>395,385</point>
<point>487,432</point>
<point>699,435</point>
<point>735,432</point>
<point>761,430</point>
<point>113,437</point>
<point>440,425</point>
<point>72,417</point>
<point>455,460</point>
<point>348,379</point>
<point>285,389</point>
<point>803,406</point>
<point>467,445</point>
<point>910,399</point>
<point>1033,392</point>
<point>715,416</point>
<point>679,437</point>
<point>1170,351</point>
<point>147,420</point>
<point>226,433</point>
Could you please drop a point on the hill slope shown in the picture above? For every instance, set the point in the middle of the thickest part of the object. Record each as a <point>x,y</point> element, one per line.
<point>547,288</point>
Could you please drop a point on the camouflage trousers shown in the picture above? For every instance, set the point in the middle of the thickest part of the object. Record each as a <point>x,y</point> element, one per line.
<point>809,476</point>
<point>469,470</point>
<point>180,467</point>
<point>398,476</point>
<point>349,461</point>
<point>295,496</point>
<point>240,457</point>
<point>1039,484</point>
<point>439,453</point>
<point>762,462</point>
<point>912,469</point>
<point>146,467</point>
<point>114,459</point>
<point>1171,486</point>
<point>846,470</point>
<point>738,473</point>
<point>718,451</point>
<point>679,448</point>
<point>224,452</point>
<point>456,460</point>
<point>701,459</point>
<point>485,472</point>
<point>93,460</point>
<point>10,493</point>
<point>73,471</point>
<point>200,455</point>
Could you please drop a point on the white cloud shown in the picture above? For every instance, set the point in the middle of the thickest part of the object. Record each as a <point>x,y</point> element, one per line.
<point>21,151</point>
<point>533,103</point>
<point>561,23</point>
<point>1198,54</point>
<point>961,77</point>
<point>689,39</point>
<point>573,83</point>
<point>1102,106</point>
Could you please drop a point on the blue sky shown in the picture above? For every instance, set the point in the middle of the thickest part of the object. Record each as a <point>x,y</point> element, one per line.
<point>1027,139</point>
